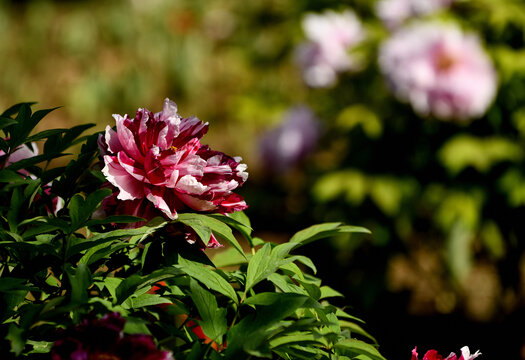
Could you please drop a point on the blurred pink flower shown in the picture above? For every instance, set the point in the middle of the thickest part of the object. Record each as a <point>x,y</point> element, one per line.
<point>159,158</point>
<point>439,70</point>
<point>433,355</point>
<point>20,153</point>
<point>284,146</point>
<point>394,12</point>
<point>330,37</point>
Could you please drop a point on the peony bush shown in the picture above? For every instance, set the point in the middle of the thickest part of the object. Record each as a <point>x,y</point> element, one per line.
<point>123,269</point>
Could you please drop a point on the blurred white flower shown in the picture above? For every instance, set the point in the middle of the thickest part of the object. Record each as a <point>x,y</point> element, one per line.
<point>439,70</point>
<point>394,12</point>
<point>330,37</point>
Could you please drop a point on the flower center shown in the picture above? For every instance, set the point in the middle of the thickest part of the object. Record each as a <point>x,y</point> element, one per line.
<point>444,62</point>
<point>173,148</point>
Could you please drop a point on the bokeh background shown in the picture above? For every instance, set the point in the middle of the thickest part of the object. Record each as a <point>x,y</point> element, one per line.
<point>445,263</point>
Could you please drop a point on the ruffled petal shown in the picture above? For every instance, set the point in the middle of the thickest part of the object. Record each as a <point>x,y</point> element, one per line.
<point>130,188</point>
<point>127,139</point>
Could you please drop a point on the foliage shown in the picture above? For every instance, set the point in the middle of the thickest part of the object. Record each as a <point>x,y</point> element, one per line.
<point>60,265</point>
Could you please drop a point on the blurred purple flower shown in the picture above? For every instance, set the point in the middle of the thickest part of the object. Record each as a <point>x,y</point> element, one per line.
<point>433,355</point>
<point>296,137</point>
<point>330,37</point>
<point>159,158</point>
<point>394,12</point>
<point>104,339</point>
<point>439,70</point>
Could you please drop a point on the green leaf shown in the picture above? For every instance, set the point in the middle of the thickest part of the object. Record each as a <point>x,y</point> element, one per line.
<point>11,283</point>
<point>325,230</point>
<point>40,347</point>
<point>16,339</point>
<point>354,347</point>
<point>81,208</point>
<point>100,251</point>
<point>147,300</point>
<point>273,298</point>
<point>297,338</point>
<point>135,282</point>
<point>356,329</point>
<point>195,222</point>
<point>204,223</point>
<point>252,332</point>
<point>16,108</point>
<point>136,325</point>
<point>213,321</point>
<point>100,238</point>
<point>208,277</point>
<point>327,292</point>
<point>8,176</point>
<point>239,221</point>
<point>258,265</point>
<point>44,134</point>
<point>115,219</point>
<point>80,280</point>
<point>266,261</point>
<point>6,121</point>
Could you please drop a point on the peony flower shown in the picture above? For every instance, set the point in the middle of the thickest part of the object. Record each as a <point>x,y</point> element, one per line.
<point>394,12</point>
<point>296,137</point>
<point>330,37</point>
<point>104,339</point>
<point>439,70</point>
<point>158,159</point>
<point>433,355</point>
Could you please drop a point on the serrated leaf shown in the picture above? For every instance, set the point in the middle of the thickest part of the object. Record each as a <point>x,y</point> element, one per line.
<point>208,277</point>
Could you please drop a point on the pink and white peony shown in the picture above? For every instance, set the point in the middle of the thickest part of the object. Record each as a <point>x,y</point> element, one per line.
<point>439,70</point>
<point>158,158</point>
<point>434,355</point>
<point>394,12</point>
<point>330,37</point>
